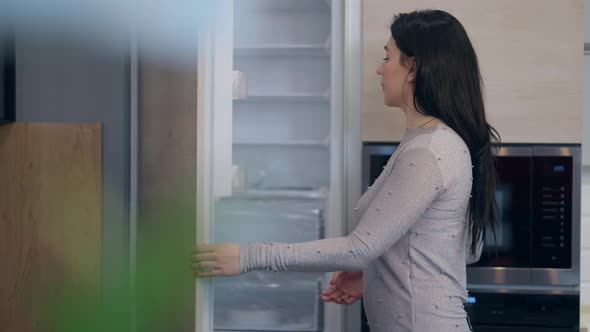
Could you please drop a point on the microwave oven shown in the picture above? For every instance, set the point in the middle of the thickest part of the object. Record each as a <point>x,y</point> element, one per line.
<point>537,238</point>
<point>528,274</point>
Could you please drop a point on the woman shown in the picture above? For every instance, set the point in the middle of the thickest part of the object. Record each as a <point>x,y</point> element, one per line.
<point>424,217</point>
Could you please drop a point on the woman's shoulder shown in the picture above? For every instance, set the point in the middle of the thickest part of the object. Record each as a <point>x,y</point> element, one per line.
<point>445,139</point>
<point>440,140</point>
<point>443,146</point>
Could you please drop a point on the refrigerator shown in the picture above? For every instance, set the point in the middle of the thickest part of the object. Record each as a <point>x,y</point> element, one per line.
<point>284,142</point>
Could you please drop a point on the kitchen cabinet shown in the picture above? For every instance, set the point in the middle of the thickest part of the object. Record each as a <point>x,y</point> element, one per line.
<point>530,58</point>
<point>51,224</point>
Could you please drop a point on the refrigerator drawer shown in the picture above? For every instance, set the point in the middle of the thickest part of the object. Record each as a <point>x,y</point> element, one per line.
<point>277,220</point>
<point>262,301</point>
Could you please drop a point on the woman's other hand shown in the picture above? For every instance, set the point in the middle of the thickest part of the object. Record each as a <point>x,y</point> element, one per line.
<point>346,287</point>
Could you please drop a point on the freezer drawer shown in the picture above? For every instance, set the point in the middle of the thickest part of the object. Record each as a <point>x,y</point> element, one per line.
<point>278,220</point>
<point>263,301</point>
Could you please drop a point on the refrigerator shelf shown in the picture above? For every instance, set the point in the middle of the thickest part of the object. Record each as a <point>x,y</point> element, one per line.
<point>267,281</point>
<point>289,6</point>
<point>287,98</point>
<point>277,329</point>
<point>283,50</point>
<point>310,143</point>
<point>284,194</point>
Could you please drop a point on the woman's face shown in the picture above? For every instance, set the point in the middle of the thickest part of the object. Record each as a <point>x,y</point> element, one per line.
<point>397,79</point>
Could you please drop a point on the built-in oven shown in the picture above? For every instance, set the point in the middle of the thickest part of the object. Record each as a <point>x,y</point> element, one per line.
<point>533,255</point>
<point>537,241</point>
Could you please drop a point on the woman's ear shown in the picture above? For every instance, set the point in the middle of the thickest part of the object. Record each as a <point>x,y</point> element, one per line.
<point>411,77</point>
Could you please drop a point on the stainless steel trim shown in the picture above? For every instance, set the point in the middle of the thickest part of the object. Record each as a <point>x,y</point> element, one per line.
<point>524,289</point>
<point>352,40</point>
<point>556,151</point>
<point>549,276</point>
<point>204,196</point>
<point>332,221</point>
<point>352,105</point>
<point>498,275</point>
<point>514,151</point>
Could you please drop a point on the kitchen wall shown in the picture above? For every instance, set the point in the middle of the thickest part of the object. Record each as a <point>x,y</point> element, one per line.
<point>513,40</point>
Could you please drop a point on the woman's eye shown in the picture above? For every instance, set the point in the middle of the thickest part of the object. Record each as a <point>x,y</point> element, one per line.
<point>385,59</point>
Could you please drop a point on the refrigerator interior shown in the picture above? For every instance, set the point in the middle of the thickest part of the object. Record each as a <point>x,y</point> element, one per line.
<point>281,140</point>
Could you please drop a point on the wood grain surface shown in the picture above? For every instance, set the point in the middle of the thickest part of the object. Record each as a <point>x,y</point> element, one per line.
<point>531,58</point>
<point>50,219</point>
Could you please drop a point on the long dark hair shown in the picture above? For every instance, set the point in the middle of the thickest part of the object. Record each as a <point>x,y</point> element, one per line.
<point>448,86</point>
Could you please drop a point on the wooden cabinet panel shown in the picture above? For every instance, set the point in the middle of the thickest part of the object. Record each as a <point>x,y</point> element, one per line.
<point>50,219</point>
<point>531,58</point>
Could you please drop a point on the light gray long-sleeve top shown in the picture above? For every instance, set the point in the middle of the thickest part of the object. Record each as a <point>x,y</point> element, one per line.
<point>411,240</point>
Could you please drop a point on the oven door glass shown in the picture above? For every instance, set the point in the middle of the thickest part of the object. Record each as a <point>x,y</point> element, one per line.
<point>510,244</point>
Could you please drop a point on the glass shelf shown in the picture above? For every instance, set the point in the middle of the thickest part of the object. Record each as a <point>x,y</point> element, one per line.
<point>283,50</point>
<point>288,194</point>
<point>287,97</point>
<point>284,143</point>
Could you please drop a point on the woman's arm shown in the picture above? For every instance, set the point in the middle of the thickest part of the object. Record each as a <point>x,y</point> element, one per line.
<point>413,184</point>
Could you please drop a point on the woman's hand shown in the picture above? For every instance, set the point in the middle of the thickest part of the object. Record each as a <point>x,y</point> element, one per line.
<point>216,260</point>
<point>346,287</point>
